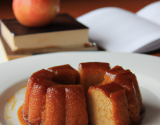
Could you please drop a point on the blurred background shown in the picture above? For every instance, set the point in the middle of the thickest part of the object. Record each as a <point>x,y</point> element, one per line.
<point>79,7</point>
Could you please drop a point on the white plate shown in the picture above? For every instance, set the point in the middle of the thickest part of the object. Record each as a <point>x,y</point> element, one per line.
<point>14,75</point>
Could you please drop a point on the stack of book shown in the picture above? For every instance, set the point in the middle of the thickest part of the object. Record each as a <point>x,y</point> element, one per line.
<point>63,34</point>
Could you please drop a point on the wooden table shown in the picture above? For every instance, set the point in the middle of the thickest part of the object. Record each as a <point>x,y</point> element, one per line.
<point>79,7</point>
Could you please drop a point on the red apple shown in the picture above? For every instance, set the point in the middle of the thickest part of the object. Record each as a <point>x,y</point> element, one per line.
<point>35,13</point>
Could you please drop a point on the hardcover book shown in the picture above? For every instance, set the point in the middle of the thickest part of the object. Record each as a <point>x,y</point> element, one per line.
<point>7,54</point>
<point>63,34</point>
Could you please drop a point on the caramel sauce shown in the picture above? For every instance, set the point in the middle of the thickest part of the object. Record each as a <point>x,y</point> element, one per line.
<point>14,103</point>
<point>20,116</point>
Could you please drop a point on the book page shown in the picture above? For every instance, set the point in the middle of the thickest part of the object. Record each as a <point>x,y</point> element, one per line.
<point>118,30</point>
<point>151,12</point>
<point>3,57</point>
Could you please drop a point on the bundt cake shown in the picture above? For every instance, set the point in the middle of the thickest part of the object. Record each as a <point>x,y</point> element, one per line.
<point>127,80</point>
<point>107,105</point>
<point>92,73</point>
<point>47,102</point>
<point>57,96</point>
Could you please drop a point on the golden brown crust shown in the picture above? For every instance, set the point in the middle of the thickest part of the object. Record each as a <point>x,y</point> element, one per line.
<point>76,113</point>
<point>92,73</point>
<point>48,102</point>
<point>54,106</point>
<point>41,77</point>
<point>116,101</point>
<point>127,80</point>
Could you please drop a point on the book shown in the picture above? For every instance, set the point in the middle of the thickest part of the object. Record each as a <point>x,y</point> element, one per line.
<point>7,54</point>
<point>119,30</point>
<point>63,34</point>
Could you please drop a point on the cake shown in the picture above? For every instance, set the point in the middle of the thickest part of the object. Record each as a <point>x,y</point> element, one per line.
<point>108,105</point>
<point>59,95</point>
<point>47,102</point>
<point>92,73</point>
<point>127,80</point>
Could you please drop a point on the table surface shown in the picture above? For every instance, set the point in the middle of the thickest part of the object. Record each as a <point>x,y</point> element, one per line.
<point>77,8</point>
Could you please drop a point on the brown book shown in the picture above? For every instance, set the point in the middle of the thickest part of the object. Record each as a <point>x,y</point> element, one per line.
<point>63,34</point>
<point>8,54</point>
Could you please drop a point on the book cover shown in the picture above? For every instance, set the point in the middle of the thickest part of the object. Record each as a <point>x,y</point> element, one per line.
<point>61,22</point>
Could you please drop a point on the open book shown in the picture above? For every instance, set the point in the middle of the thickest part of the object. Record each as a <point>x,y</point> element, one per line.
<point>118,30</point>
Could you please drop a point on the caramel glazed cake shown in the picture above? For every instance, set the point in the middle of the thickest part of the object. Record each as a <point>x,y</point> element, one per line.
<point>93,95</point>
